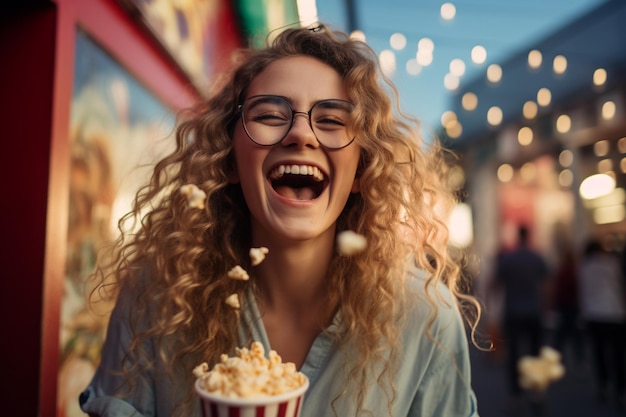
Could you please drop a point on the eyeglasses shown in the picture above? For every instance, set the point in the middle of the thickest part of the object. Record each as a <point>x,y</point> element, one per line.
<point>267,120</point>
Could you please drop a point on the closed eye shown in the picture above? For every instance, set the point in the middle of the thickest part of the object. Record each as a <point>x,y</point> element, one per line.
<point>329,123</point>
<point>271,119</point>
<point>331,114</point>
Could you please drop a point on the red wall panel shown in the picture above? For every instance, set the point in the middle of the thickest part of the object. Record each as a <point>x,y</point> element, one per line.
<point>37,48</point>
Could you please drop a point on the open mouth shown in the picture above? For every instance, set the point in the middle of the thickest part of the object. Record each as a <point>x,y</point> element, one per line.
<point>298,182</point>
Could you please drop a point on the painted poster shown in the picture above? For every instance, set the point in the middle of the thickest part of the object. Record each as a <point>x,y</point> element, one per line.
<point>190,30</point>
<point>262,17</point>
<point>117,131</point>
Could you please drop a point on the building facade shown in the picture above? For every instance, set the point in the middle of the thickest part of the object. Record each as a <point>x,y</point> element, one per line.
<point>534,133</point>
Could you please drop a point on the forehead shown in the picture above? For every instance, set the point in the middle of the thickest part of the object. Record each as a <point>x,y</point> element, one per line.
<point>302,79</point>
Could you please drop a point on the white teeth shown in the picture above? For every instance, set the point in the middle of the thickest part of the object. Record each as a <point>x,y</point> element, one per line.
<point>280,170</point>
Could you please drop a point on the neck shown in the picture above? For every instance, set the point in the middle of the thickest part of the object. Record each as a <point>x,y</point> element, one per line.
<point>292,277</point>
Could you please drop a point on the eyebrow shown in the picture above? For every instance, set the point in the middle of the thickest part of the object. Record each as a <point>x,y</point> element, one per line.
<point>268,97</point>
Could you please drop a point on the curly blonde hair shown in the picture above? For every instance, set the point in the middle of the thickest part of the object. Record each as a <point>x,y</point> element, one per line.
<point>403,188</point>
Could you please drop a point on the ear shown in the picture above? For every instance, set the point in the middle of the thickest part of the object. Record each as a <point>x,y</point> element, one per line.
<point>356,185</point>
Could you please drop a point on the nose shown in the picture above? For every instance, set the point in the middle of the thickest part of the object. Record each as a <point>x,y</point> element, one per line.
<point>301,133</point>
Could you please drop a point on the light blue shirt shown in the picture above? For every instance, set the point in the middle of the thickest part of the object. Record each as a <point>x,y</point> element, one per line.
<point>432,381</point>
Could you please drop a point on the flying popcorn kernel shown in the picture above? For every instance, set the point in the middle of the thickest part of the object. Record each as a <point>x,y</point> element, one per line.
<point>350,243</point>
<point>233,301</point>
<point>239,273</point>
<point>195,197</point>
<point>257,255</point>
<point>538,372</point>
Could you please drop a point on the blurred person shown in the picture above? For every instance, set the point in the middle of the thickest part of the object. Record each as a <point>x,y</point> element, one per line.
<point>300,141</point>
<point>564,300</point>
<point>603,310</point>
<point>522,275</point>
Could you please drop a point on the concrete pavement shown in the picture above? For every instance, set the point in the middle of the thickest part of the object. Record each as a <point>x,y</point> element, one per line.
<point>572,396</point>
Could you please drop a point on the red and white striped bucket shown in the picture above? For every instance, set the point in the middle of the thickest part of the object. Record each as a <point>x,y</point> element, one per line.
<point>288,404</point>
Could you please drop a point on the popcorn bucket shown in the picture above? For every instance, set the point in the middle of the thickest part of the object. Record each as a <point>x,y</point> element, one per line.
<point>288,404</point>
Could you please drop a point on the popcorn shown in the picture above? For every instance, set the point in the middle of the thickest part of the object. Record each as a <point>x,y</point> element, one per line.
<point>249,374</point>
<point>257,255</point>
<point>196,198</point>
<point>233,301</point>
<point>200,370</point>
<point>537,373</point>
<point>350,243</point>
<point>238,272</point>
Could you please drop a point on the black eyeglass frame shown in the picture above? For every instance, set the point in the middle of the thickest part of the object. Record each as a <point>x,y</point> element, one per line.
<point>293,119</point>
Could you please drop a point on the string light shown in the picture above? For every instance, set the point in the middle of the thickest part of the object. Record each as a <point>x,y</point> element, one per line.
<point>448,11</point>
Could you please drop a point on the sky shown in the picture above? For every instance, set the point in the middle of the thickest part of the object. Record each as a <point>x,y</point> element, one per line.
<point>503,27</point>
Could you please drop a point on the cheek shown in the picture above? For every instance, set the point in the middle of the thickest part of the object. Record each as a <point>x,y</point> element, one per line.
<point>352,160</point>
<point>248,159</point>
<point>348,163</point>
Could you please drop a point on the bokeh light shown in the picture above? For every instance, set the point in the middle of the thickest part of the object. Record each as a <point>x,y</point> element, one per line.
<point>460,225</point>
<point>479,54</point>
<point>566,178</point>
<point>525,136</point>
<point>563,123</point>
<point>608,110</point>
<point>469,101</point>
<point>544,97</point>
<point>388,62</point>
<point>559,64</point>
<point>505,173</point>
<point>358,35</point>
<point>451,82</point>
<point>596,185</point>
<point>599,77</point>
<point>605,166</point>
<point>413,67</point>
<point>494,73</point>
<point>457,67</point>
<point>566,158</point>
<point>494,116</point>
<point>601,148</point>
<point>448,11</point>
<point>530,110</point>
<point>534,59</point>
<point>397,41</point>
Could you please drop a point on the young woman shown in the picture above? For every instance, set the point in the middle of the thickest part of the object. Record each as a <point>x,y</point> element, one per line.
<point>299,143</point>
